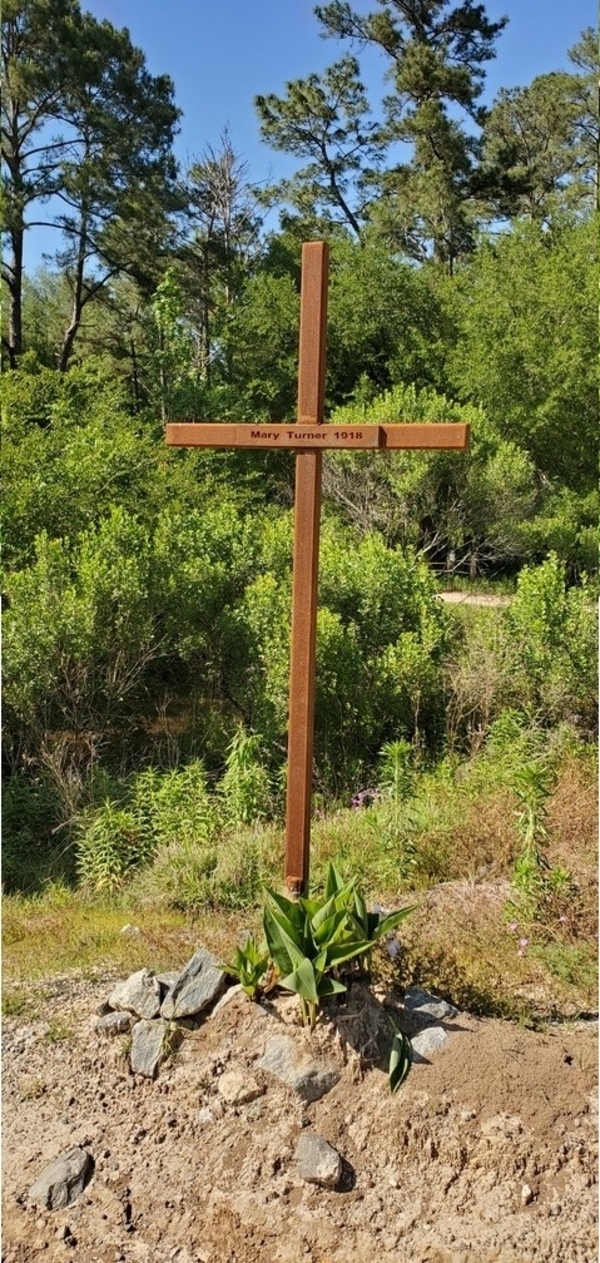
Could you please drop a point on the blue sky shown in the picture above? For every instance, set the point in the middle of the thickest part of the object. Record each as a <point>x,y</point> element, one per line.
<point>222,53</point>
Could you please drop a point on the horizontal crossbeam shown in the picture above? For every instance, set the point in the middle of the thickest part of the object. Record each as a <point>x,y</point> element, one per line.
<point>319,437</point>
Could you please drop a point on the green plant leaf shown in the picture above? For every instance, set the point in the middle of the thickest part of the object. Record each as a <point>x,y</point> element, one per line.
<point>302,981</point>
<point>336,903</point>
<point>334,882</point>
<point>400,1060</point>
<point>310,906</point>
<point>291,908</point>
<point>360,911</point>
<point>390,922</point>
<point>283,948</point>
<point>330,931</point>
<point>339,952</point>
<point>330,986</point>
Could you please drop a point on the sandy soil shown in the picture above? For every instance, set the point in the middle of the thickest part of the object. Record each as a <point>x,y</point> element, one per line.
<point>433,1175</point>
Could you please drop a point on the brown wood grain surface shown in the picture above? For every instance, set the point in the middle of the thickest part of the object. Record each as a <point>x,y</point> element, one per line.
<point>285,434</point>
<point>307,517</point>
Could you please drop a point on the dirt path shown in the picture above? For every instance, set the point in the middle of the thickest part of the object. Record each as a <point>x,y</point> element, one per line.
<point>486,1155</point>
<point>489,599</point>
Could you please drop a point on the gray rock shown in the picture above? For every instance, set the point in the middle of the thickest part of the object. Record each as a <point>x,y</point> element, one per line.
<point>310,1079</point>
<point>140,993</point>
<point>229,995</point>
<point>426,1007</point>
<point>428,1042</point>
<point>198,984</point>
<point>118,1023</point>
<point>238,1088</point>
<point>167,979</point>
<point>63,1180</point>
<point>147,1047</point>
<point>318,1162</point>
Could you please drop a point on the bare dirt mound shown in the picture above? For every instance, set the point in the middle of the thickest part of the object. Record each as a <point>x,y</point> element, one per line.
<point>487,1153</point>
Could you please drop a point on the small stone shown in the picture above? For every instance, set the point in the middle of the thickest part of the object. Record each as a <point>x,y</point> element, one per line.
<point>118,1023</point>
<point>195,988</point>
<point>421,1004</point>
<point>310,1079</point>
<point>230,995</point>
<point>466,1116</point>
<point>147,1047</point>
<point>555,1208</point>
<point>140,993</point>
<point>427,1042</point>
<point>526,1194</point>
<point>166,981</point>
<point>238,1088</point>
<point>318,1162</point>
<point>205,1116</point>
<point>63,1180</point>
<point>254,1112</point>
<point>131,929</point>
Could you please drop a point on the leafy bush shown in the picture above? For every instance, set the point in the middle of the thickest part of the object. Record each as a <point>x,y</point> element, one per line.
<point>245,786</point>
<point>381,639</point>
<point>109,846</point>
<point>552,641</point>
<point>472,504</point>
<point>161,813</point>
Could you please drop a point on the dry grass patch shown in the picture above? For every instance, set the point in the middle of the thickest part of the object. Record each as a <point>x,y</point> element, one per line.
<point>461,945</point>
<point>49,935</point>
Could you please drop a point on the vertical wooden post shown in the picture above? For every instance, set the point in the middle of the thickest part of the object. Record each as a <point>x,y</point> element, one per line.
<point>311,396</point>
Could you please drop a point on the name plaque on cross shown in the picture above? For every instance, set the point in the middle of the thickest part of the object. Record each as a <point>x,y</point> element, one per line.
<point>222,434</point>
<point>309,437</point>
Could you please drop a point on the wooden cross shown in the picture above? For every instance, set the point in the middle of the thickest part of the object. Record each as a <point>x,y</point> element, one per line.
<point>309,436</point>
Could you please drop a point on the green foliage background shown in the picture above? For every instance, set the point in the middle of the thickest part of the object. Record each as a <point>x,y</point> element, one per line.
<point>147,590</point>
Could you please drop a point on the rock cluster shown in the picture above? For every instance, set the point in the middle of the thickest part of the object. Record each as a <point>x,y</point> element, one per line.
<point>146,1005</point>
<point>146,1002</point>
<point>424,1012</point>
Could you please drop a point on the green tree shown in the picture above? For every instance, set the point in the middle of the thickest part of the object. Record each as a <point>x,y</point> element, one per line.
<point>532,137</point>
<point>525,307</point>
<point>386,322</point>
<point>585,55</point>
<point>109,169</point>
<point>37,39</point>
<point>173,355</point>
<point>436,54</point>
<point>324,118</point>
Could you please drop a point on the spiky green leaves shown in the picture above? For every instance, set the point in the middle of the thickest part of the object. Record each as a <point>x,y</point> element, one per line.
<point>311,938</point>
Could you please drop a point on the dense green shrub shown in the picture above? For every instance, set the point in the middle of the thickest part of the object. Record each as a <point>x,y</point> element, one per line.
<point>473,503</point>
<point>552,642</point>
